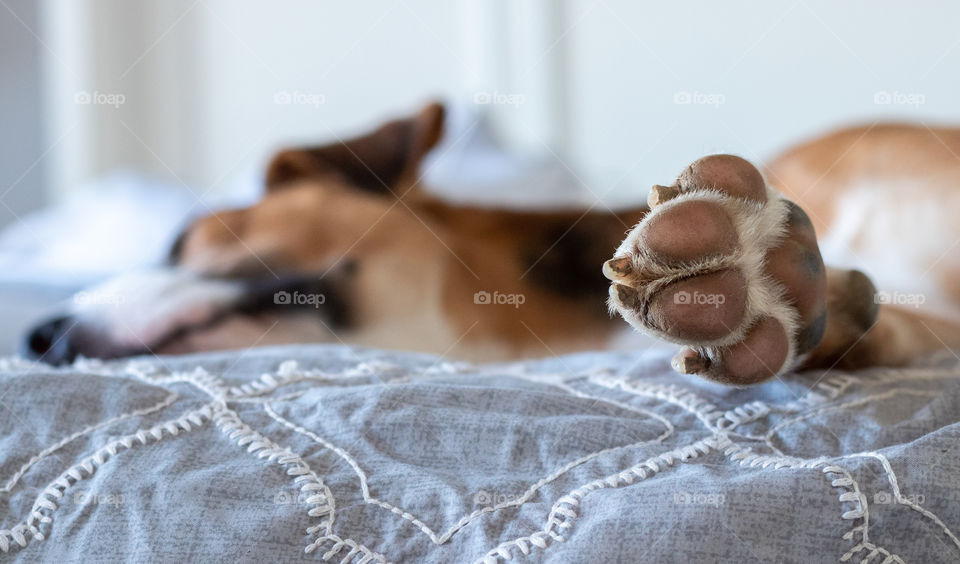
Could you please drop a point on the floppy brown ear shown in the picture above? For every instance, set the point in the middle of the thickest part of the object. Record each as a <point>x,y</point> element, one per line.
<point>383,161</point>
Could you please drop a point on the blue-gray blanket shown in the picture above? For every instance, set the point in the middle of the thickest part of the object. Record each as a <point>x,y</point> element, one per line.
<point>339,454</point>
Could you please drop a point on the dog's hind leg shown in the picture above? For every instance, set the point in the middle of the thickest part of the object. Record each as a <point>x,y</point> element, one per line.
<point>860,333</point>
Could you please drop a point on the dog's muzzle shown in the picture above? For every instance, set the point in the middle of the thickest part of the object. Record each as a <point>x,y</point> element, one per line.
<point>141,313</point>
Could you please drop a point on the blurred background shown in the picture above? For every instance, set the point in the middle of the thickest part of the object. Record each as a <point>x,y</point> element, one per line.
<point>123,119</point>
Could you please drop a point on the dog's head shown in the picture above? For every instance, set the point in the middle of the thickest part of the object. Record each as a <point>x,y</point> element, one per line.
<point>333,250</point>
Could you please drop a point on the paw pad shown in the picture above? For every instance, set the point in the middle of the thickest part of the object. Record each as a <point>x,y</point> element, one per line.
<point>726,266</point>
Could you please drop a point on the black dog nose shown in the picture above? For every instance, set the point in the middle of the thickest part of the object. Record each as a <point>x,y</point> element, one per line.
<point>50,341</point>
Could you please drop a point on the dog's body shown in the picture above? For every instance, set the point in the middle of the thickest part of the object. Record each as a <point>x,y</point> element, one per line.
<point>398,268</point>
<point>884,198</point>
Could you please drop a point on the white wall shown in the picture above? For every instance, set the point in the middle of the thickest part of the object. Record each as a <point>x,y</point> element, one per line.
<point>22,178</point>
<point>340,66</point>
<point>782,69</point>
<point>202,83</point>
<point>591,81</point>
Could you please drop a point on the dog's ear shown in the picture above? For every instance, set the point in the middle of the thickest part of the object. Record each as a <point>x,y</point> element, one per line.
<point>383,161</point>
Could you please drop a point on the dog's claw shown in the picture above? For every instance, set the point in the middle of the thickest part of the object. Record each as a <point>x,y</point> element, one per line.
<point>689,361</point>
<point>660,194</point>
<point>618,268</point>
<point>627,296</point>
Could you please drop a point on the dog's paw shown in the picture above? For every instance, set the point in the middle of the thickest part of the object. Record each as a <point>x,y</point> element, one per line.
<point>726,266</point>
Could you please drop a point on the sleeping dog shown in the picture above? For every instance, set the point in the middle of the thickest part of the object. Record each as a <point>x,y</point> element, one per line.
<point>347,247</point>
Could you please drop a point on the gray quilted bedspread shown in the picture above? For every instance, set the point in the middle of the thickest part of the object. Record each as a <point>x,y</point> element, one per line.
<point>337,454</point>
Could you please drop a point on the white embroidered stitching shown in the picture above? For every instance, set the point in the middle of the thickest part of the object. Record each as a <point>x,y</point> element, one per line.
<point>895,486</point>
<point>768,439</point>
<point>564,511</point>
<point>46,502</point>
<point>834,385</point>
<point>690,402</point>
<point>198,377</point>
<point>742,414</point>
<point>851,493</point>
<point>745,457</point>
<point>289,372</point>
<point>339,544</point>
<point>171,397</point>
<point>646,412</point>
<point>318,494</point>
<point>441,539</point>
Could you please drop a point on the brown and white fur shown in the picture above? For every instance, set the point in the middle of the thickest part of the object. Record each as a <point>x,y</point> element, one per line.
<point>883,198</point>
<point>399,268</point>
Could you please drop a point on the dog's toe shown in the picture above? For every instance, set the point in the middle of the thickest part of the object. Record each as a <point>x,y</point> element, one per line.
<point>729,174</point>
<point>757,358</point>
<point>692,230</point>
